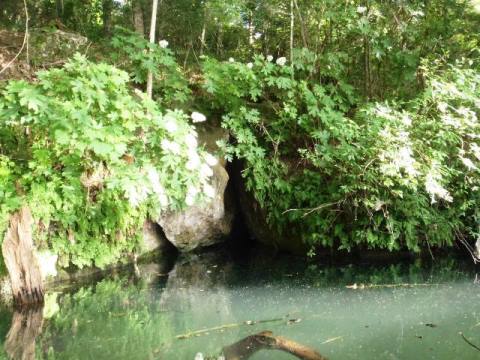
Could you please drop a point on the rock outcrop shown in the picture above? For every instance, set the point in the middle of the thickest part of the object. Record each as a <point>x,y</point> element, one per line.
<point>47,47</point>
<point>153,240</point>
<point>205,224</point>
<point>256,220</point>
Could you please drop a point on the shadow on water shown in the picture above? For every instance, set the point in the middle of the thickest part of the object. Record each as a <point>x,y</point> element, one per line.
<point>220,302</point>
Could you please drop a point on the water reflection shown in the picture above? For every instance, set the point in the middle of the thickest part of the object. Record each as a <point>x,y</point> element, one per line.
<point>212,304</point>
<point>26,326</point>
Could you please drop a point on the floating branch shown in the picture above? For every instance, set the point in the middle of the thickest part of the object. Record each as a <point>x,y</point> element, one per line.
<point>224,327</point>
<point>469,342</point>
<point>371,286</point>
<point>246,347</point>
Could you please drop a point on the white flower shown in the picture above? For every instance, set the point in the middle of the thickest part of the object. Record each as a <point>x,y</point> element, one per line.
<point>189,200</point>
<point>171,125</point>
<point>209,190</point>
<point>163,199</point>
<point>257,35</point>
<point>434,188</point>
<point>475,150</point>
<point>157,187</point>
<point>170,146</point>
<point>206,171</point>
<point>250,65</point>
<point>163,43</point>
<point>47,262</point>
<point>136,195</point>
<point>407,121</point>
<point>231,60</point>
<point>211,160</point>
<point>191,141</point>
<point>281,61</point>
<point>442,107</point>
<point>192,191</point>
<point>154,179</point>
<point>131,195</point>
<point>269,58</point>
<point>165,144</point>
<point>468,163</point>
<point>198,117</point>
<point>193,160</point>
<point>361,9</point>
<point>418,13</point>
<point>174,148</point>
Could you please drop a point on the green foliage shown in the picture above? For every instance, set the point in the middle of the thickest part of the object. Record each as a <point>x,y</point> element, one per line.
<point>390,176</point>
<point>93,161</point>
<point>138,57</point>
<point>319,153</point>
<point>124,315</point>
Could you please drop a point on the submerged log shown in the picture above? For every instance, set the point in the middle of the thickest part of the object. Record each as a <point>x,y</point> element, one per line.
<point>26,326</point>
<point>18,254</point>
<point>246,347</point>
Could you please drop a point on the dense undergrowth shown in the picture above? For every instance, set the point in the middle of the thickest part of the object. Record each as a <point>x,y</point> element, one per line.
<point>93,160</point>
<point>347,173</point>
<point>367,137</point>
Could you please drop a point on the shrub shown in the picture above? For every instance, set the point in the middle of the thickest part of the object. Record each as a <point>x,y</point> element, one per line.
<point>93,161</point>
<point>345,174</point>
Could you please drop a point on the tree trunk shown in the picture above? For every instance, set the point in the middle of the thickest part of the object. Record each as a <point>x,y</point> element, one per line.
<point>59,8</point>
<point>152,40</point>
<point>292,17</point>
<point>138,22</point>
<point>219,46</point>
<point>303,29</point>
<point>18,254</point>
<point>107,7</point>
<point>251,28</point>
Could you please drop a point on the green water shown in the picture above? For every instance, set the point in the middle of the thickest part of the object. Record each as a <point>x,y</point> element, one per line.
<point>139,315</point>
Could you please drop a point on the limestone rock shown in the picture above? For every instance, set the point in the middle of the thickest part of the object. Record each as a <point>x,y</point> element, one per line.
<point>209,223</point>
<point>203,224</point>
<point>47,261</point>
<point>153,239</point>
<point>47,47</point>
<point>53,45</point>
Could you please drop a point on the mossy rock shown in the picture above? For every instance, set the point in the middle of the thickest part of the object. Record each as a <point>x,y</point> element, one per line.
<point>50,46</point>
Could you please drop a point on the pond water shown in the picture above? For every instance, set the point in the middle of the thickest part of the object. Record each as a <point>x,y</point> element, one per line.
<point>205,302</point>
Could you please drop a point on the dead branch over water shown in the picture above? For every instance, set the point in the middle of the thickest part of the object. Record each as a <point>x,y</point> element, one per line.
<point>265,340</point>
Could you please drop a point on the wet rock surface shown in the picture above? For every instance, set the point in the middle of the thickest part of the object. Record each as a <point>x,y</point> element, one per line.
<point>209,223</point>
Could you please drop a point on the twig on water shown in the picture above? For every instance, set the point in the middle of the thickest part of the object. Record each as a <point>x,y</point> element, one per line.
<point>370,286</point>
<point>331,340</point>
<point>469,342</point>
<point>223,327</point>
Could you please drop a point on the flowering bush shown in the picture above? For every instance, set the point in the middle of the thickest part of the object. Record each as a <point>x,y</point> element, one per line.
<point>94,161</point>
<point>345,174</point>
<point>137,56</point>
